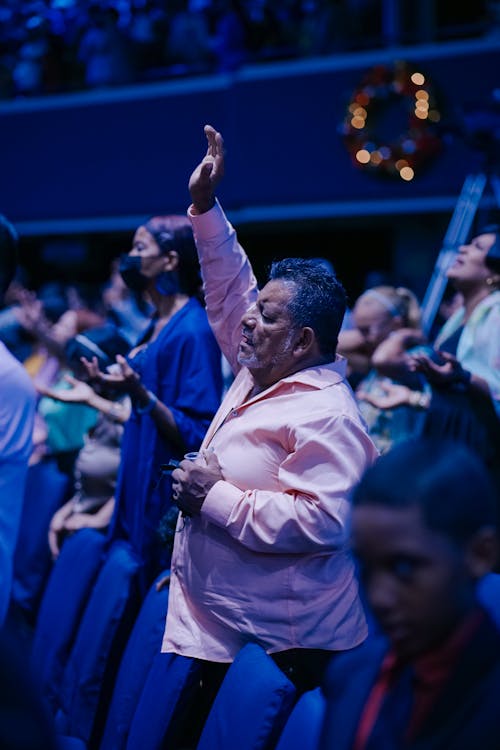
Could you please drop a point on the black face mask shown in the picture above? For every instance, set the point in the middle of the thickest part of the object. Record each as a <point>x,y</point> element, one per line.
<point>130,271</point>
<point>167,282</point>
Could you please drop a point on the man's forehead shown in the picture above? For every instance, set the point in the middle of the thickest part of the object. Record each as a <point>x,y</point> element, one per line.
<point>276,290</point>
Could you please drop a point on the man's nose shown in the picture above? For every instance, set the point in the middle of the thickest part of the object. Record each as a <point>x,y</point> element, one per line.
<point>248,318</point>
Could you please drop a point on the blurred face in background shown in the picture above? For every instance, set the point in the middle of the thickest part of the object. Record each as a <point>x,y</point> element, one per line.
<point>417,580</point>
<point>469,270</point>
<point>373,321</point>
<point>73,322</point>
<point>66,327</point>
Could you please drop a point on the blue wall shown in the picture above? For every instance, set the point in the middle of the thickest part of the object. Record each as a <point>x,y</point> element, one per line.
<point>104,159</point>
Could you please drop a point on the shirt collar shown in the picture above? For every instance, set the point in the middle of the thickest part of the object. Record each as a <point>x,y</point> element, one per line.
<point>431,666</point>
<point>319,376</point>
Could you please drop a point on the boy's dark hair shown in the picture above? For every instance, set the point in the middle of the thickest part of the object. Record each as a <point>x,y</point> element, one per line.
<point>319,300</point>
<point>444,478</point>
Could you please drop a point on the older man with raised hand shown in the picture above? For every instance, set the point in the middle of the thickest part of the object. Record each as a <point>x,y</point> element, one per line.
<point>17,410</point>
<point>262,554</point>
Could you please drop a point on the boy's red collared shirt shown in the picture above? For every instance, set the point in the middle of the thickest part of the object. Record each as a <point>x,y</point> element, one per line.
<point>431,672</point>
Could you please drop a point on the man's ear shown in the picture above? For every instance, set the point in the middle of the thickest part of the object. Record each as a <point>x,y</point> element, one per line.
<point>305,342</point>
<point>171,261</point>
<point>481,553</point>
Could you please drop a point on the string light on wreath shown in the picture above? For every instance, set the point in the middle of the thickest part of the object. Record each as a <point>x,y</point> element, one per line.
<point>372,129</point>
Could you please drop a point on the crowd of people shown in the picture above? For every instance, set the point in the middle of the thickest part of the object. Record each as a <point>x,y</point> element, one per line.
<point>54,46</point>
<point>347,542</point>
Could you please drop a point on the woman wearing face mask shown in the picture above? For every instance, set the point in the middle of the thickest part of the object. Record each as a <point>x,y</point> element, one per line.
<point>173,377</point>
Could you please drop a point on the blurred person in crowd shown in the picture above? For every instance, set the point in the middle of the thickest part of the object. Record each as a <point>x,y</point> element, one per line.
<point>59,427</point>
<point>322,27</point>
<point>103,49</point>
<point>230,45</point>
<point>189,41</point>
<point>146,28</point>
<point>58,504</point>
<point>17,411</point>
<point>382,313</point>
<point>267,503</point>
<point>50,316</point>
<point>173,377</point>
<point>97,461</point>
<point>32,54</point>
<point>463,367</point>
<point>424,535</point>
<point>379,311</point>
<point>125,307</point>
<point>25,309</point>
<point>16,339</point>
<point>95,472</point>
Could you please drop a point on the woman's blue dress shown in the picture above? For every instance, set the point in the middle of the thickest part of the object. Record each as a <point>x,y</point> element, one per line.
<point>182,367</point>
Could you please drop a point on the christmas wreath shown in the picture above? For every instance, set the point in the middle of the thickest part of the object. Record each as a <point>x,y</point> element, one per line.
<point>390,122</point>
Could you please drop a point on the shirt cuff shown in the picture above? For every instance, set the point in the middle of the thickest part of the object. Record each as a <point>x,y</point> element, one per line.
<point>219,502</point>
<point>209,224</point>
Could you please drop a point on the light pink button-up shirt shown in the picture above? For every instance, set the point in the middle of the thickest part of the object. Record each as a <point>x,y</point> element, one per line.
<point>267,560</point>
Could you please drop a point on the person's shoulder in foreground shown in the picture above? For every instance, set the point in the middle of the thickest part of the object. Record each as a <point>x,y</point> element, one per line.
<point>18,394</point>
<point>25,722</point>
<point>424,533</point>
<point>17,410</point>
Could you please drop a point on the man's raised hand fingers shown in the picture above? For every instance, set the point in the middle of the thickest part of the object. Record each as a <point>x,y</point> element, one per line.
<point>215,143</point>
<point>211,133</point>
<point>206,169</point>
<point>219,145</point>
